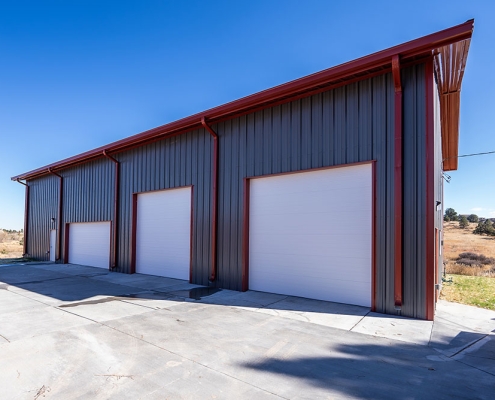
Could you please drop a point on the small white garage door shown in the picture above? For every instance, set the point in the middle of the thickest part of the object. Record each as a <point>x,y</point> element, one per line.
<point>163,233</point>
<point>310,234</point>
<point>89,244</point>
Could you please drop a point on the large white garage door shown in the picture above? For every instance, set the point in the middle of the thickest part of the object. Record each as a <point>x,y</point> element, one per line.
<point>89,244</point>
<point>310,234</point>
<point>163,233</point>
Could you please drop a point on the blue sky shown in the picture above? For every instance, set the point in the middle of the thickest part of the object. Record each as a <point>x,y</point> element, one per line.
<point>76,75</point>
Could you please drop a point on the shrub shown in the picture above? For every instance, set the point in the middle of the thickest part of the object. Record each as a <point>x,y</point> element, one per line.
<point>463,222</point>
<point>446,218</point>
<point>485,228</point>
<point>474,259</point>
<point>473,218</point>
<point>451,213</point>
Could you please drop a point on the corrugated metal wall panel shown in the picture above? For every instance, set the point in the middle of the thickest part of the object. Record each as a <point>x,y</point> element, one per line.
<point>414,199</point>
<point>43,206</point>
<point>348,124</point>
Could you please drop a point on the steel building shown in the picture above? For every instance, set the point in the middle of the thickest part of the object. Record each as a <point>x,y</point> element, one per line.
<point>326,187</point>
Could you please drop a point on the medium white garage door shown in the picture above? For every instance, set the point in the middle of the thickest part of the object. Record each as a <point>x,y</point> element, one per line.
<point>310,234</point>
<point>89,244</point>
<point>163,233</point>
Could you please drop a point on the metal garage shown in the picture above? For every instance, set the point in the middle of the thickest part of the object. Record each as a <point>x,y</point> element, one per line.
<point>89,244</point>
<point>310,234</point>
<point>163,233</point>
<point>363,146</point>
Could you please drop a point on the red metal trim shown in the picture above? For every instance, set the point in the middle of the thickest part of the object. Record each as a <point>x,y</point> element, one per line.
<point>373,238</point>
<point>60,210</point>
<point>430,190</point>
<point>408,51</point>
<point>26,217</point>
<point>214,206</point>
<point>245,237</point>
<point>115,230</point>
<point>191,237</point>
<point>66,245</point>
<point>133,233</point>
<point>397,182</point>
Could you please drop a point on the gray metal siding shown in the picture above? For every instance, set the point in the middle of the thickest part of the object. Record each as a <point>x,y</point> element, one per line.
<point>348,124</point>
<point>414,195</point>
<point>439,182</point>
<point>43,206</point>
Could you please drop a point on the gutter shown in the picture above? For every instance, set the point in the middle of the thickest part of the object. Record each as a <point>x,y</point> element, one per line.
<point>398,148</point>
<point>214,206</point>
<point>26,216</point>
<point>115,209</point>
<point>60,205</point>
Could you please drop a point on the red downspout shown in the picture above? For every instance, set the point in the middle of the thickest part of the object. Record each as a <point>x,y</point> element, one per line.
<point>397,182</point>
<point>26,216</point>
<point>115,207</point>
<point>59,233</point>
<point>213,275</point>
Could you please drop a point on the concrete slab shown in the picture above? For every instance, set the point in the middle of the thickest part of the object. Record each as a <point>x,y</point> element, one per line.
<point>336,315</point>
<point>146,282</point>
<point>154,345</point>
<point>11,302</point>
<point>37,321</point>
<point>24,273</point>
<point>70,289</point>
<point>98,362</point>
<point>473,318</point>
<point>101,308</point>
<point>397,328</point>
<point>74,269</point>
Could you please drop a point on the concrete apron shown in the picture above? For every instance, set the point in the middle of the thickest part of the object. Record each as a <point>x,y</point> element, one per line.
<point>68,330</point>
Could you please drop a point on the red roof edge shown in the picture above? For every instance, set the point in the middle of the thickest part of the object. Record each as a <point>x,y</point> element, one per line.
<point>407,51</point>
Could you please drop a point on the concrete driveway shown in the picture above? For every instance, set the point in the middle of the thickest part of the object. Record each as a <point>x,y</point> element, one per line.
<point>70,331</point>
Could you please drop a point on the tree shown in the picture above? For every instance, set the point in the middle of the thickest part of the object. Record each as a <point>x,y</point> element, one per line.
<point>463,222</point>
<point>473,218</point>
<point>451,213</point>
<point>446,218</point>
<point>485,228</point>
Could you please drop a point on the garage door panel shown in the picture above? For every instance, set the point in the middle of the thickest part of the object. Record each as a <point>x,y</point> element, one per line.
<point>163,233</point>
<point>310,223</point>
<point>314,266</point>
<point>310,234</point>
<point>286,244</point>
<point>302,201</point>
<point>89,244</point>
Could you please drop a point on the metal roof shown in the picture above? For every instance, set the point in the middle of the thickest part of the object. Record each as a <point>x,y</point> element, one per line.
<point>449,46</point>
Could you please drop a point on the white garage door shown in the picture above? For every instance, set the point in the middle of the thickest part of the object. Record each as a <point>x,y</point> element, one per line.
<point>163,233</point>
<point>89,244</point>
<point>310,234</point>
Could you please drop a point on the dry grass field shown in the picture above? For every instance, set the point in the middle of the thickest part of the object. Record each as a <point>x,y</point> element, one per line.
<point>472,285</point>
<point>457,241</point>
<point>10,244</point>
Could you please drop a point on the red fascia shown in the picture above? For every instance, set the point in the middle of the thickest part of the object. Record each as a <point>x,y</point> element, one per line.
<point>397,182</point>
<point>285,92</point>
<point>214,206</point>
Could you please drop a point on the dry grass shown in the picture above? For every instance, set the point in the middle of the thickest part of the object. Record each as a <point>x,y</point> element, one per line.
<point>10,245</point>
<point>457,241</point>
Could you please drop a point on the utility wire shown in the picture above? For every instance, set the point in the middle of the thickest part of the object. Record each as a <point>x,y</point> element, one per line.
<point>470,155</point>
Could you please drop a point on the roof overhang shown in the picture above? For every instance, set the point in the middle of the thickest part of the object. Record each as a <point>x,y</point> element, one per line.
<point>449,47</point>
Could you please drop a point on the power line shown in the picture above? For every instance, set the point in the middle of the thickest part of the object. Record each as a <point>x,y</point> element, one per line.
<point>470,155</point>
